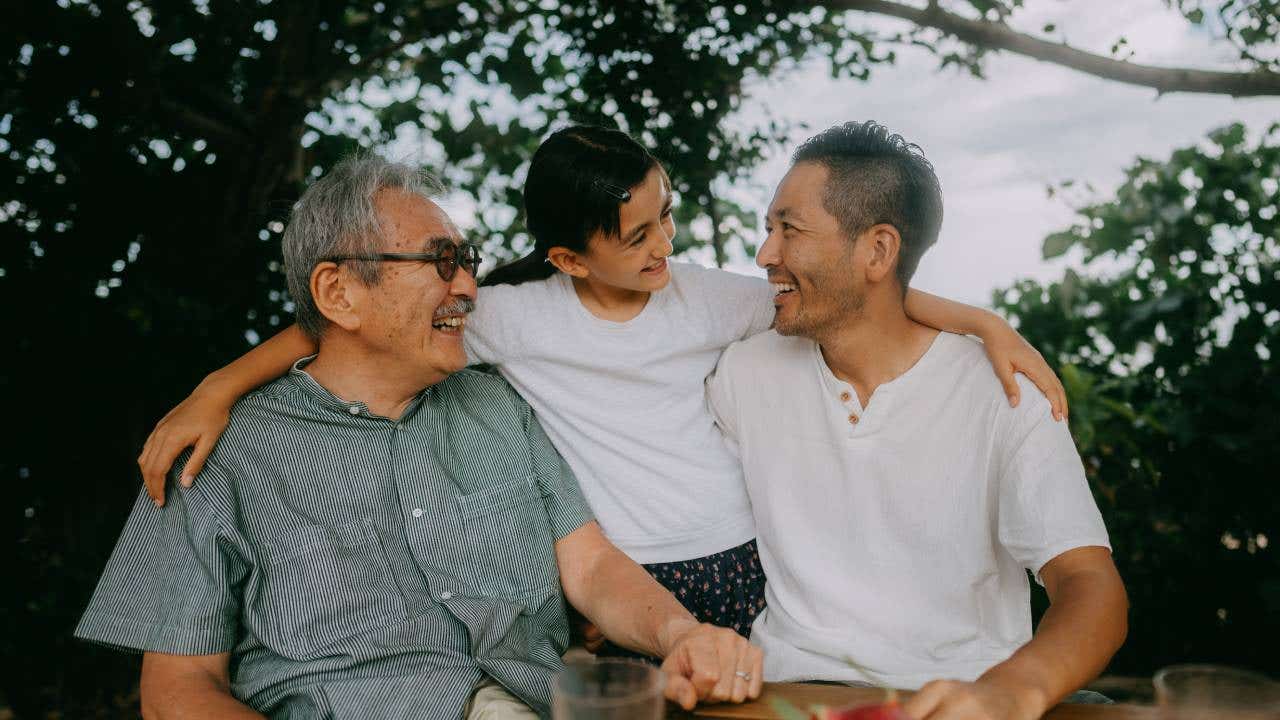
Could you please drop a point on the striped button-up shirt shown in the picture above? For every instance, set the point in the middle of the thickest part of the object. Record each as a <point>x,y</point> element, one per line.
<point>354,565</point>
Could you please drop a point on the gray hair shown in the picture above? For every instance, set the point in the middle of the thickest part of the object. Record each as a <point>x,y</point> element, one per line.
<point>336,216</point>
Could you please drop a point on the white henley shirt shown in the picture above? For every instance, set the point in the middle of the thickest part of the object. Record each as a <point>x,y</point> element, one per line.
<point>897,538</point>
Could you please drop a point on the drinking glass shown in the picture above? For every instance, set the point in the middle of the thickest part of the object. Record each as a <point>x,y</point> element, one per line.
<point>608,689</point>
<point>1196,692</point>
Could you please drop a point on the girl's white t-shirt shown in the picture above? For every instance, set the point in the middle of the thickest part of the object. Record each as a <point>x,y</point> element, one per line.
<point>624,402</point>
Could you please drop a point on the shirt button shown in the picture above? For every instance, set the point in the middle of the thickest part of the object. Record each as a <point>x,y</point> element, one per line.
<point>844,396</point>
<point>853,419</point>
<point>446,595</point>
<point>417,512</point>
<point>354,409</point>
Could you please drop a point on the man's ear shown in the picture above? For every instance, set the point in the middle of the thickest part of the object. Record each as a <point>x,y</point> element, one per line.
<point>883,246</point>
<point>337,295</point>
<point>567,261</point>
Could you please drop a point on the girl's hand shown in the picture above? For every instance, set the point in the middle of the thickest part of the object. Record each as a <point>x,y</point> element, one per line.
<point>1010,353</point>
<point>197,421</point>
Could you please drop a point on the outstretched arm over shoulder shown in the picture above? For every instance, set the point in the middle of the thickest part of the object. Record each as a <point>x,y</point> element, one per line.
<point>1008,351</point>
<point>190,687</point>
<point>199,420</point>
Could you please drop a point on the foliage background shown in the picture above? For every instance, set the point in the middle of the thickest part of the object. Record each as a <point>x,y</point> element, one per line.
<point>151,150</point>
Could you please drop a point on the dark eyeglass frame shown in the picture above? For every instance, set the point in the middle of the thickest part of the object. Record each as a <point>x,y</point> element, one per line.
<point>446,260</point>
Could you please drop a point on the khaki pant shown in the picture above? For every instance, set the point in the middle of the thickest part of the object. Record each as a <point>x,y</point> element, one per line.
<point>491,701</point>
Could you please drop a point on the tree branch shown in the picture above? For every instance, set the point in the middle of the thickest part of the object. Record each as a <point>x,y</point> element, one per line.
<point>999,36</point>
<point>717,237</point>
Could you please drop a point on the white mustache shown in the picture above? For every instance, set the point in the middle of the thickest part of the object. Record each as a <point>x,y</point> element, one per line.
<point>461,306</point>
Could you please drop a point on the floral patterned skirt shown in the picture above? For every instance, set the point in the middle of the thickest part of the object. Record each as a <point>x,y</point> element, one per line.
<point>725,589</point>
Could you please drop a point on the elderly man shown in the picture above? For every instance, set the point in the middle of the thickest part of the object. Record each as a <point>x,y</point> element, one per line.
<point>899,500</point>
<point>381,533</point>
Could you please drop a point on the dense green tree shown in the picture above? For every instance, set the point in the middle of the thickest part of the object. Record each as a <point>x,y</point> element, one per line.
<point>150,150</point>
<point>1168,333</point>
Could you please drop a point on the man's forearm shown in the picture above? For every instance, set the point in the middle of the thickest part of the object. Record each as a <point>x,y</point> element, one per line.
<point>1083,628</point>
<point>948,315</point>
<point>176,687</point>
<point>199,704</point>
<point>628,606</point>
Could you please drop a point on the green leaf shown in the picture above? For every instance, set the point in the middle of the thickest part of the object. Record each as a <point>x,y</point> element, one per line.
<point>1057,244</point>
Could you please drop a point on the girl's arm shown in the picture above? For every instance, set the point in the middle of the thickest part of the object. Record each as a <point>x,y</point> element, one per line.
<point>200,419</point>
<point>1008,351</point>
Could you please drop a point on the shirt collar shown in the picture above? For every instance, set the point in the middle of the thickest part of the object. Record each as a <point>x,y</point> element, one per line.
<point>303,381</point>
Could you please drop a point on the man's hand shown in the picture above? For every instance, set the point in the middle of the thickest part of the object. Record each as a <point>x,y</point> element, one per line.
<point>706,663</point>
<point>1077,636</point>
<point>703,662</point>
<point>955,700</point>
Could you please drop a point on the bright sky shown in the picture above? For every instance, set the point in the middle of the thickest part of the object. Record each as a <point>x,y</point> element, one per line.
<point>998,143</point>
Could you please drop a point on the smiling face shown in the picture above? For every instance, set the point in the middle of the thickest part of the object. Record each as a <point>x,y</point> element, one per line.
<point>412,316</point>
<point>636,259</point>
<point>814,266</point>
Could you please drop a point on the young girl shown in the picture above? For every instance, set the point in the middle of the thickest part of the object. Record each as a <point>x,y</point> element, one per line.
<point>610,343</point>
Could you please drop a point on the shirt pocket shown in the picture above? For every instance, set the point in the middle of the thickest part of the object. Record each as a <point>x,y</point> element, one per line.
<point>510,540</point>
<point>323,585</point>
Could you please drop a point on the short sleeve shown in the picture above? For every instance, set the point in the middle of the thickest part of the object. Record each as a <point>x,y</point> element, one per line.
<point>720,398</point>
<point>567,508</point>
<point>1046,507</point>
<point>487,337</point>
<point>760,300</point>
<point>172,583</point>
<point>743,303</point>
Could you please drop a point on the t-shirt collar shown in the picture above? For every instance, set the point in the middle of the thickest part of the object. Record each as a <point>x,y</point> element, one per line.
<point>885,394</point>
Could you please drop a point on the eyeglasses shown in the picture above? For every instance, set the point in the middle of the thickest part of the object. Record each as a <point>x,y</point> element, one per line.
<point>447,260</point>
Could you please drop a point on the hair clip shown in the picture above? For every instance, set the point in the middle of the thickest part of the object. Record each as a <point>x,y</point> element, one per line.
<point>613,191</point>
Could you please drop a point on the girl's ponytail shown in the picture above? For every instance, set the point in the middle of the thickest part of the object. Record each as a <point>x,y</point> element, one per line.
<point>533,266</point>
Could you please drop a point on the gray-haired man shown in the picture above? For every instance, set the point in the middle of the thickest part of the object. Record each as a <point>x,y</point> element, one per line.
<point>380,533</point>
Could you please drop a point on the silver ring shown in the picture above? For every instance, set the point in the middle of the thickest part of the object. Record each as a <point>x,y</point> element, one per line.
<point>742,674</point>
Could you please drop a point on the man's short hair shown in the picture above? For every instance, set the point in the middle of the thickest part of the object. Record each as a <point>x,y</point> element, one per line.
<point>876,177</point>
<point>336,216</point>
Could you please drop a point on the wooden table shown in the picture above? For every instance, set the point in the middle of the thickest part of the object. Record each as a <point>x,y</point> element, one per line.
<point>803,695</point>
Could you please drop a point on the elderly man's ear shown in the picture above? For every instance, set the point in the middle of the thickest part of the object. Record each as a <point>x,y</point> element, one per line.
<point>338,295</point>
<point>881,243</point>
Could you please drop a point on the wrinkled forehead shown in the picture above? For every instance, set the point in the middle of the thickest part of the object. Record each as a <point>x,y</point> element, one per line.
<point>411,222</point>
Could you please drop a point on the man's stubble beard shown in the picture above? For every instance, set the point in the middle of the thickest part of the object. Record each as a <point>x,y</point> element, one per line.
<point>846,305</point>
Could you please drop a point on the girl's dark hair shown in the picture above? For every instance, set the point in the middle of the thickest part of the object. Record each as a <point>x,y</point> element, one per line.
<point>578,179</point>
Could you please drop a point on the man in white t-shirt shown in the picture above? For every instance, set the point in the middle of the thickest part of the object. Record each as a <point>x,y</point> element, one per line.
<point>899,500</point>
